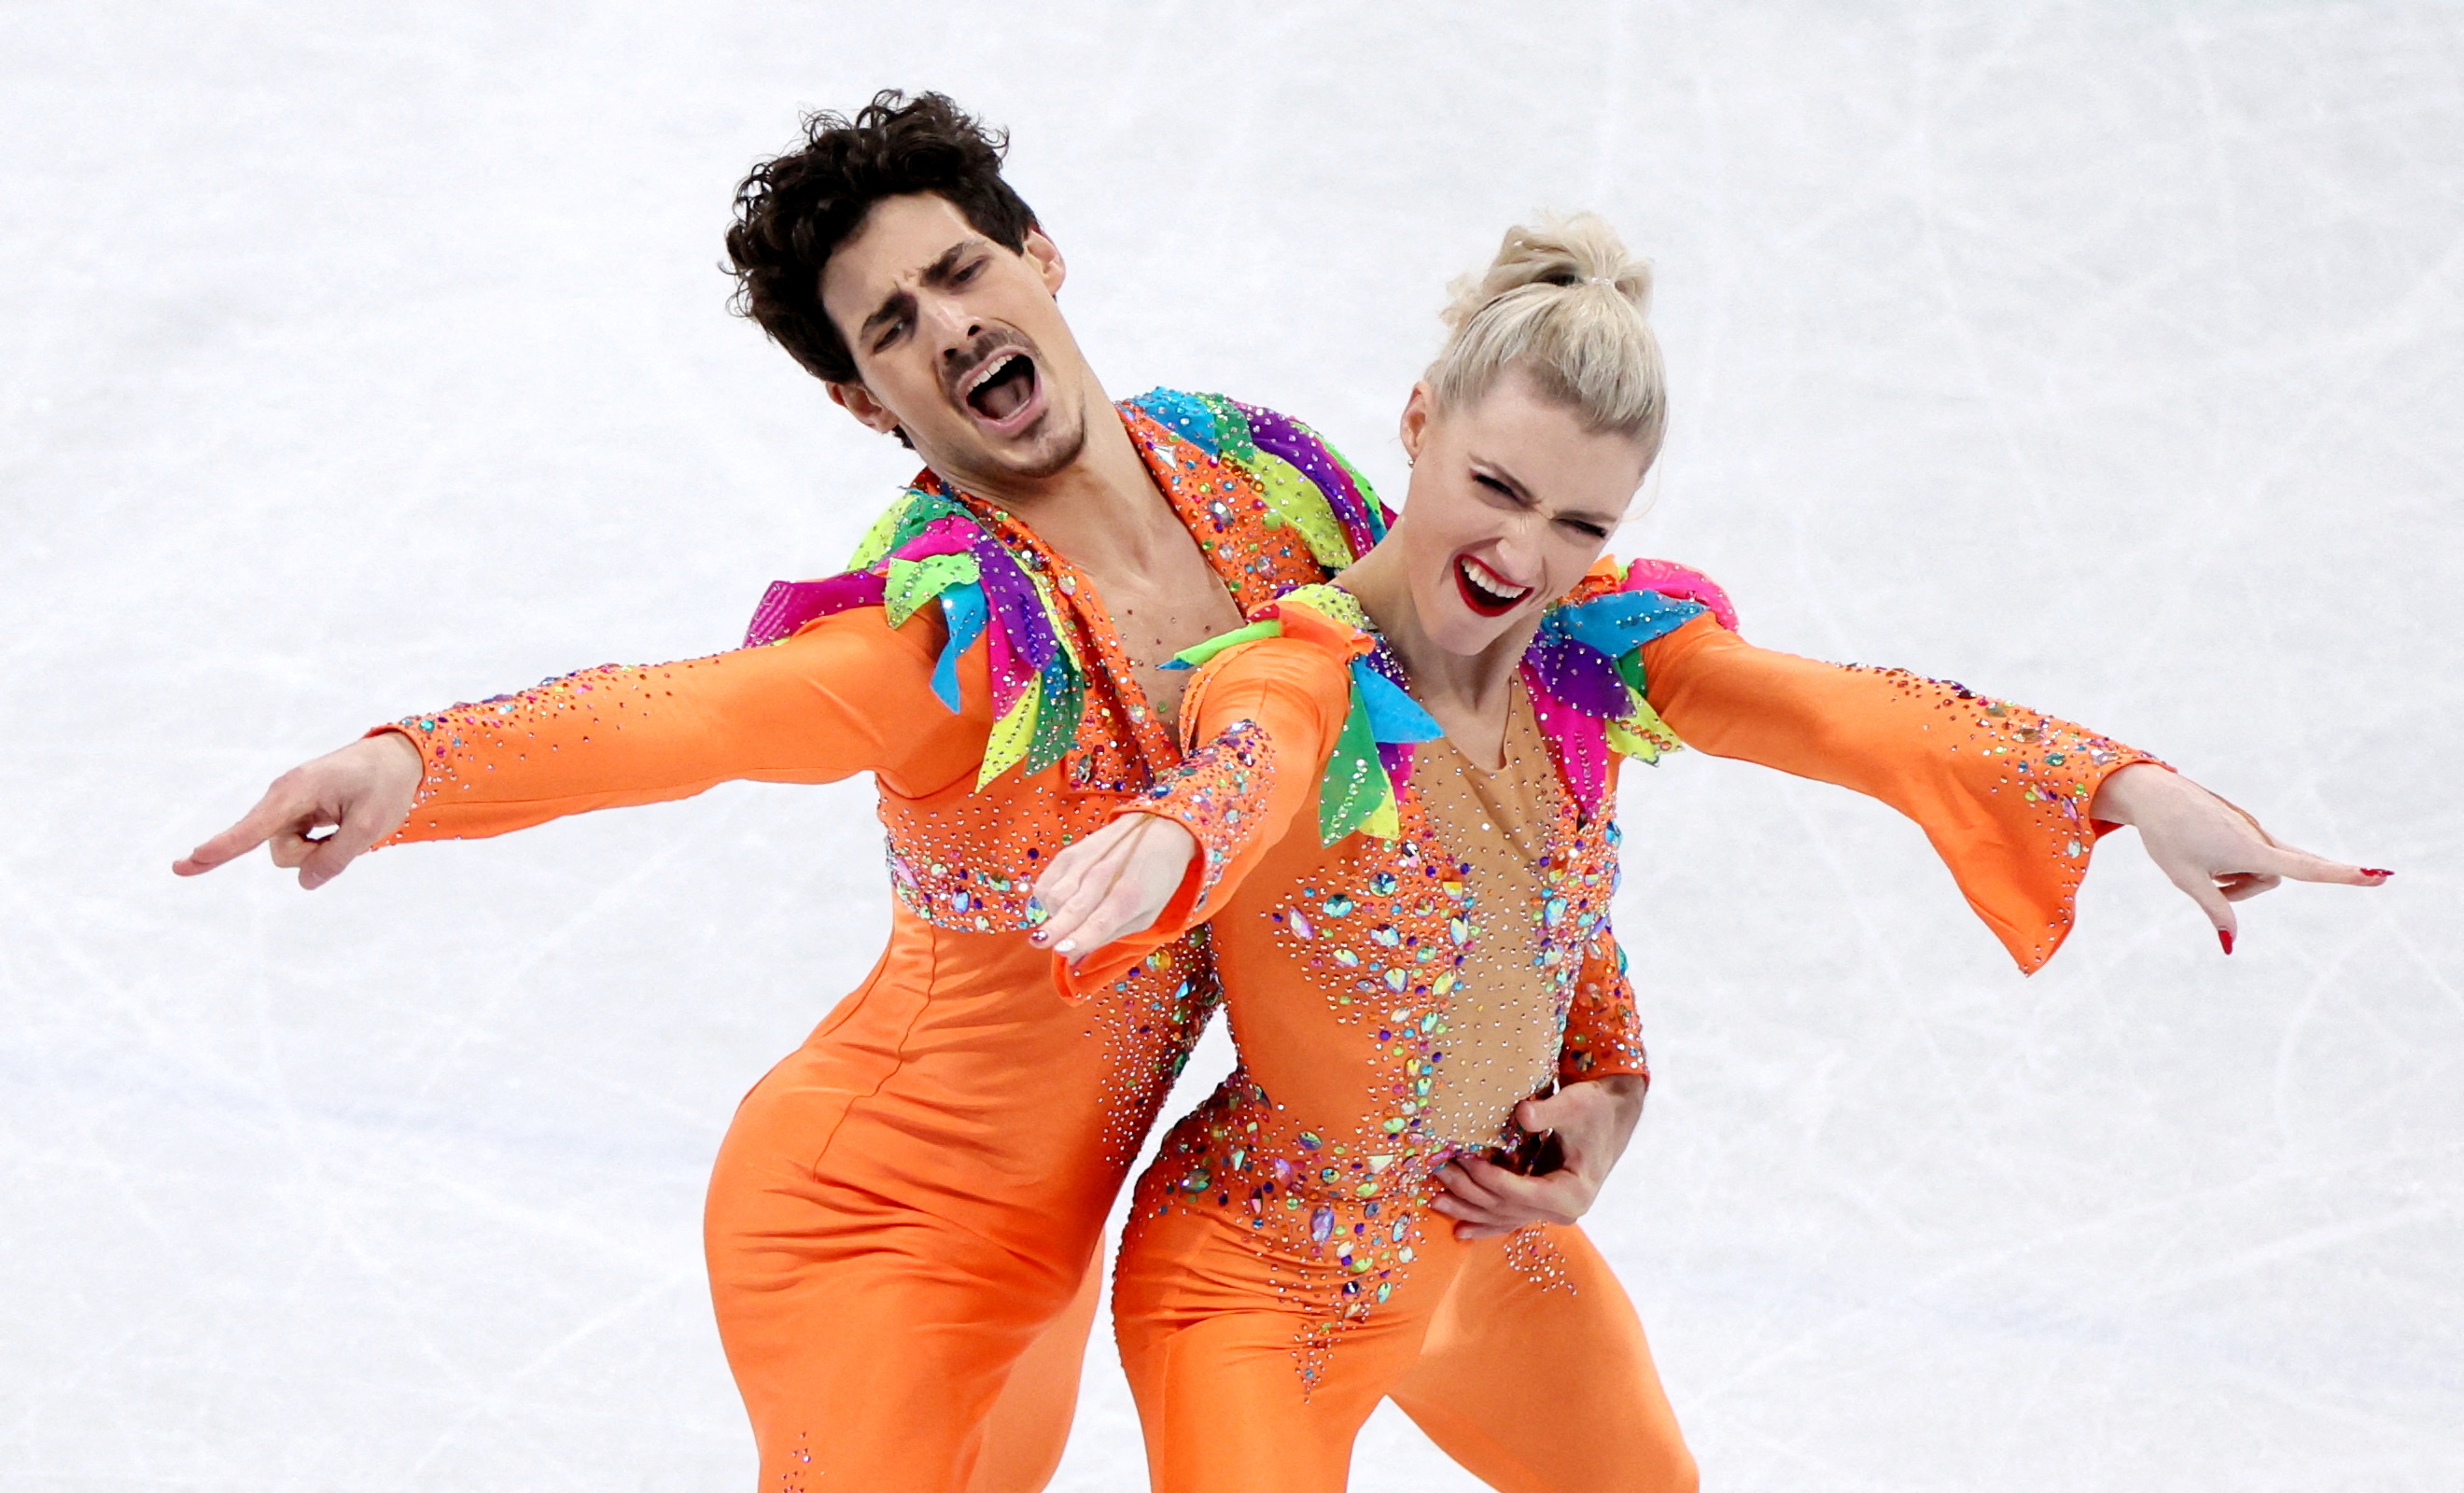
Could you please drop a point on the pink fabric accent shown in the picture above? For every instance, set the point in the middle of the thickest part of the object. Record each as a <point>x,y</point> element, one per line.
<point>1581,741</point>
<point>1671,579</point>
<point>789,604</point>
<point>946,534</point>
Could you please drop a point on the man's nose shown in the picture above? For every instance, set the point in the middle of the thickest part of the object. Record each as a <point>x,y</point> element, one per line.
<point>950,325</point>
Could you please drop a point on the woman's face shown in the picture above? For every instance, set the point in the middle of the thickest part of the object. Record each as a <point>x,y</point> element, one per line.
<point>1511,501</point>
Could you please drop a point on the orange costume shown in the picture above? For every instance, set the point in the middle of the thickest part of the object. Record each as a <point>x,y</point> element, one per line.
<point>904,1217</point>
<point>1409,943</point>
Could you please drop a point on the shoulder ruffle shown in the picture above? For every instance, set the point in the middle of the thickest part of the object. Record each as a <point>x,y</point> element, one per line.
<point>1585,671</point>
<point>1372,752</point>
<point>928,548</point>
<point>1306,484</point>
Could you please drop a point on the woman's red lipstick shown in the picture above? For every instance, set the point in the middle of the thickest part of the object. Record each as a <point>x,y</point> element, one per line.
<point>1480,599</point>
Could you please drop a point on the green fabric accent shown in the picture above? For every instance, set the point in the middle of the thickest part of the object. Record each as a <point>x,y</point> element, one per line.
<point>1625,742</point>
<point>901,521</point>
<point>1056,721</point>
<point>877,540</point>
<point>1330,602</point>
<point>1249,634</point>
<point>912,583</point>
<point>1294,500</point>
<point>1629,667</point>
<point>1368,494</point>
<point>1355,782</point>
<point>1231,429</point>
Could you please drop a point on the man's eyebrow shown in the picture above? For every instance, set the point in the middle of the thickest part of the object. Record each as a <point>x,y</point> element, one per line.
<point>941,270</point>
<point>895,306</point>
<point>900,302</point>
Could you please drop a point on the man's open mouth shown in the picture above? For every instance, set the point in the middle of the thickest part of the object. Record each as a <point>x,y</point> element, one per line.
<point>1002,386</point>
<point>1485,591</point>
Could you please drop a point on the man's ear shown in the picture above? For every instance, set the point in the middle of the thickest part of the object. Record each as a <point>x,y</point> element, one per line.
<point>1046,255</point>
<point>858,400</point>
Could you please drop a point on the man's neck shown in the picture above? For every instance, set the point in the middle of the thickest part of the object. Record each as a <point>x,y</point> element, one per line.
<point>1103,513</point>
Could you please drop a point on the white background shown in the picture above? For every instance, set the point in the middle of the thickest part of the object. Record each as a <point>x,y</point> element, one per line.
<point>357,359</point>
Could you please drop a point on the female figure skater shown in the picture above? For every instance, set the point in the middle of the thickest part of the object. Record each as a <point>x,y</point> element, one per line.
<point>1396,809</point>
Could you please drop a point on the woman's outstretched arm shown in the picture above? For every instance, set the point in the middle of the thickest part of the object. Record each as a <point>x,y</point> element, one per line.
<point>2013,800</point>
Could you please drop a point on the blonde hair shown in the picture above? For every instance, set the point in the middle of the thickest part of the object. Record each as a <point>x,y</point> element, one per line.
<point>1566,305</point>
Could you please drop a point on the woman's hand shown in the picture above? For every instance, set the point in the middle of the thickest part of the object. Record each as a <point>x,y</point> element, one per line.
<point>363,793</point>
<point>2210,849</point>
<point>1593,1119</point>
<point>1111,884</point>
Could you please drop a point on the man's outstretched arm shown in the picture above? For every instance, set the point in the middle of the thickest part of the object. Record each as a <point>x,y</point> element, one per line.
<point>845,695</point>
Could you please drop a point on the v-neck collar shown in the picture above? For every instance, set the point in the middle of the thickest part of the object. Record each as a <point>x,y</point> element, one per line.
<point>1227,516</point>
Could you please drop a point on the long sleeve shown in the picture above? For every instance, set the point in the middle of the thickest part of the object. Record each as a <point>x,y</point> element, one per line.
<point>2001,791</point>
<point>1604,1026</point>
<point>1268,713</point>
<point>843,695</point>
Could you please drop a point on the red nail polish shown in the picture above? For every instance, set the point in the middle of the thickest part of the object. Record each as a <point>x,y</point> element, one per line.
<point>2224,936</point>
<point>2367,872</point>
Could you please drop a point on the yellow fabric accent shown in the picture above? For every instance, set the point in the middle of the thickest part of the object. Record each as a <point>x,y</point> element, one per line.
<point>1010,737</point>
<point>1296,500</point>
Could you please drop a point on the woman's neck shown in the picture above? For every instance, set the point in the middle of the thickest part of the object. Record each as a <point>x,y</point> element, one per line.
<point>1468,693</point>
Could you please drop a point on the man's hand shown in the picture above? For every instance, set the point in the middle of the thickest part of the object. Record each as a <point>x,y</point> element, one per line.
<point>1594,1120</point>
<point>2213,851</point>
<point>362,793</point>
<point>1115,882</point>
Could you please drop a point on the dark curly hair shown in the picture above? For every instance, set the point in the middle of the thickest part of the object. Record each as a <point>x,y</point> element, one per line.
<point>792,211</point>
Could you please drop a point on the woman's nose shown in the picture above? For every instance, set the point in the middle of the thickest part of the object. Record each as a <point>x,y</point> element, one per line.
<point>1519,549</point>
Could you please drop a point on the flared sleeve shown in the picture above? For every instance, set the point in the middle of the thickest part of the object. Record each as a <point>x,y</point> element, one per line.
<point>2002,791</point>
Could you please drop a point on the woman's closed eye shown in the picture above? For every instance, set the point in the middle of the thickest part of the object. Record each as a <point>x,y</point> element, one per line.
<point>1498,492</point>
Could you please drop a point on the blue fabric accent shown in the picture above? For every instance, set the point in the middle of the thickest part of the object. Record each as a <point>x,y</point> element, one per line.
<point>962,608</point>
<point>1620,623</point>
<point>1392,715</point>
<point>1183,416</point>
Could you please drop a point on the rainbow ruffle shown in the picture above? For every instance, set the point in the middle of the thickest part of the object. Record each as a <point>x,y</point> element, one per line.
<point>1584,671</point>
<point>930,547</point>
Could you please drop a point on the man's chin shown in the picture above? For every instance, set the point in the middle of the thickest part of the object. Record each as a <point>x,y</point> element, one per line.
<point>1045,449</point>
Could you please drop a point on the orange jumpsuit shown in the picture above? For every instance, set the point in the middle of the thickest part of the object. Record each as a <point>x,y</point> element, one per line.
<point>1402,937</point>
<point>904,1216</point>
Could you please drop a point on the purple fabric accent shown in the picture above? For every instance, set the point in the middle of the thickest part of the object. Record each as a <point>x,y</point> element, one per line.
<point>1282,436</point>
<point>1010,681</point>
<point>1579,740</point>
<point>789,604</point>
<point>1671,578</point>
<point>1015,603</point>
<point>1397,756</point>
<point>1583,678</point>
<point>946,534</point>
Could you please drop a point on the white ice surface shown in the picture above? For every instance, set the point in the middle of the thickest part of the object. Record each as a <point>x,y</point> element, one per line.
<point>359,358</point>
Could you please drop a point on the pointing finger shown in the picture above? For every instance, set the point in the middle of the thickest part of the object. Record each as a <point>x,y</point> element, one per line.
<point>273,812</point>
<point>2303,865</point>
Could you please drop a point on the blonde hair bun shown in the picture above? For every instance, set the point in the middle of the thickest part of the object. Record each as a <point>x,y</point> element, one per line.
<point>1566,305</point>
